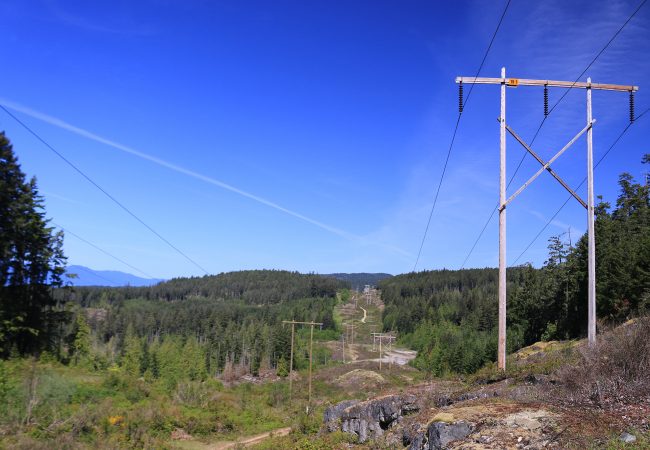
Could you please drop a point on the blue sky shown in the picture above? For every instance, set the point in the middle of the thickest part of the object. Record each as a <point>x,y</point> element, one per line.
<point>311,135</point>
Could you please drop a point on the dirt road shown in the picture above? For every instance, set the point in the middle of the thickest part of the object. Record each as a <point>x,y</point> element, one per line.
<point>247,442</point>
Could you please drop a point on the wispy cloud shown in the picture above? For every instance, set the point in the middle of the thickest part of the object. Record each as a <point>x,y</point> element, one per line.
<point>190,173</point>
<point>60,197</point>
<point>121,24</point>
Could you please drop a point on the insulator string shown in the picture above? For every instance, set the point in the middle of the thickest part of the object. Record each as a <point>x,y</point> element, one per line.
<point>460,97</point>
<point>545,100</point>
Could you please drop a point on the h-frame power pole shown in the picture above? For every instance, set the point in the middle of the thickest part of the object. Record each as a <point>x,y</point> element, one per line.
<point>503,201</point>
<point>311,347</point>
<point>380,337</point>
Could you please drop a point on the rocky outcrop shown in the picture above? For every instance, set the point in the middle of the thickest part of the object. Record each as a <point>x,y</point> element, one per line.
<point>437,435</point>
<point>369,420</point>
<point>332,415</point>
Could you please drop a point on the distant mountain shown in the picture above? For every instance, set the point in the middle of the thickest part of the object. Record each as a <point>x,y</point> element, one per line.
<point>359,280</point>
<point>113,278</point>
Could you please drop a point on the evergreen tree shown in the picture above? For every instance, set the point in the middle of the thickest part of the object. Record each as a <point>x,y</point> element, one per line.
<point>81,344</point>
<point>132,357</point>
<point>31,262</point>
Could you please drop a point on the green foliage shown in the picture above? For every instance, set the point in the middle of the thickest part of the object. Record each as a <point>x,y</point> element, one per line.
<point>31,263</point>
<point>282,369</point>
<point>80,347</point>
<point>249,287</point>
<point>133,354</point>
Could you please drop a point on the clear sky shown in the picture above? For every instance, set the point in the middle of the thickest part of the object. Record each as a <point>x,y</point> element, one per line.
<point>309,135</point>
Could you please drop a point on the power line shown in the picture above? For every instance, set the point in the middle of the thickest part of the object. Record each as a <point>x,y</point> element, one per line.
<point>578,187</point>
<point>539,128</point>
<point>566,91</point>
<point>453,137</point>
<point>117,202</point>
<point>102,250</point>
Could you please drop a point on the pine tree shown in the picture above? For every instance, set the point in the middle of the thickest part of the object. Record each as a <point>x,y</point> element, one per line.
<point>81,343</point>
<point>31,262</point>
<point>132,357</point>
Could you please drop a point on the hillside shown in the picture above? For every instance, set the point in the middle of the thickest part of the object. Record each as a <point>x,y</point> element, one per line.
<point>359,280</point>
<point>246,286</point>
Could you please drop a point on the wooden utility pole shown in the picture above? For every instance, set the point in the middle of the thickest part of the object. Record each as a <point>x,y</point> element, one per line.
<point>589,205</point>
<point>350,327</point>
<point>311,347</point>
<point>293,328</point>
<point>380,337</point>
<point>591,258</point>
<point>501,355</point>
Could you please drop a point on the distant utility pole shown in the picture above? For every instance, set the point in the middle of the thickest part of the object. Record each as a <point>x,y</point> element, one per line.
<point>380,337</point>
<point>503,202</point>
<point>350,327</point>
<point>311,347</point>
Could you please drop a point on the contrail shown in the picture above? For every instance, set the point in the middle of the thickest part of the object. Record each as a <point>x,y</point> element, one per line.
<point>94,137</point>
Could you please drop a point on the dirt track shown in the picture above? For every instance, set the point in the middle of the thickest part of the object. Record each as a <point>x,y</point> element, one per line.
<point>247,442</point>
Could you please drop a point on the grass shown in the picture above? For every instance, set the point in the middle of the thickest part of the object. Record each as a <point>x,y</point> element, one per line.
<point>48,403</point>
<point>541,358</point>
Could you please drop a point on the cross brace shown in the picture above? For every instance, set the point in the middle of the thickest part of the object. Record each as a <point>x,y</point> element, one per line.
<point>541,161</point>
<point>302,323</point>
<point>546,166</point>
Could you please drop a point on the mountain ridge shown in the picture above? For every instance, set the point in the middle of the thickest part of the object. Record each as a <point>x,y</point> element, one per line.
<point>85,276</point>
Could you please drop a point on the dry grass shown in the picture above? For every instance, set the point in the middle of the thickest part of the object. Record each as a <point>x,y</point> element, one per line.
<point>614,371</point>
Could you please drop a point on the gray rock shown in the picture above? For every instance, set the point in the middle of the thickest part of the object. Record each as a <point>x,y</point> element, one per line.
<point>440,434</point>
<point>370,419</point>
<point>332,414</point>
<point>414,437</point>
<point>627,438</point>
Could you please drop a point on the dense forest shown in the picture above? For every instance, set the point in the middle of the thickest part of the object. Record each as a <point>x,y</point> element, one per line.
<point>450,317</point>
<point>359,280</point>
<point>31,263</point>
<point>258,287</point>
<point>211,325</point>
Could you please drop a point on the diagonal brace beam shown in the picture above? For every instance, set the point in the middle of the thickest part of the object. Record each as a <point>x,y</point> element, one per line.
<point>548,168</point>
<point>545,166</point>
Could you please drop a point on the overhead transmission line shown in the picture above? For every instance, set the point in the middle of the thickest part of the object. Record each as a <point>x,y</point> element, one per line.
<point>453,137</point>
<point>91,181</point>
<point>102,250</point>
<point>547,113</point>
<point>578,187</point>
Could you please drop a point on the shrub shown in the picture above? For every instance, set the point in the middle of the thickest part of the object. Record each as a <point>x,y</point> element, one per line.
<point>615,370</point>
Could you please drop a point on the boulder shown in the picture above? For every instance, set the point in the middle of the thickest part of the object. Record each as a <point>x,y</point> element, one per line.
<point>332,414</point>
<point>627,438</point>
<point>369,419</point>
<point>437,435</point>
<point>440,434</point>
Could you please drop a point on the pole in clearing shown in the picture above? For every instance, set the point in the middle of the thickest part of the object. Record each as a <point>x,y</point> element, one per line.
<point>589,205</point>
<point>311,340</point>
<point>591,257</point>
<point>380,354</point>
<point>501,355</point>
<point>311,347</point>
<point>293,327</point>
